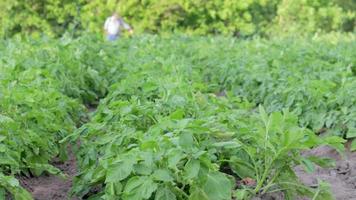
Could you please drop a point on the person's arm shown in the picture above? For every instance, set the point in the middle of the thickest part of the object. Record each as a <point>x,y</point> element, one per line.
<point>106,24</point>
<point>126,26</point>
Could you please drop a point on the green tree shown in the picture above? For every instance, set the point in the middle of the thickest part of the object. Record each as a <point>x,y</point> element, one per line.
<point>228,17</point>
<point>310,16</point>
<point>51,17</point>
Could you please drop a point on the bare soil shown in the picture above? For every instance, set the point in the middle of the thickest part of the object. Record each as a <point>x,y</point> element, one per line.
<point>52,187</point>
<point>342,177</point>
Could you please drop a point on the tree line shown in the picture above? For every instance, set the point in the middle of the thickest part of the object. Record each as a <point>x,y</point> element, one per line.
<point>201,17</point>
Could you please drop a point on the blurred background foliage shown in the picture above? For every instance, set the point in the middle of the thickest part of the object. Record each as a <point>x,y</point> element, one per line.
<point>227,17</point>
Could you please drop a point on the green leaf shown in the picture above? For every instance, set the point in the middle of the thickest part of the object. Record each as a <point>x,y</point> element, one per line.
<point>2,193</point>
<point>351,133</point>
<point>353,145</point>
<point>178,114</point>
<point>263,115</point>
<point>12,181</point>
<point>322,162</point>
<point>308,165</point>
<point>113,189</point>
<point>174,157</point>
<point>164,193</point>
<point>186,140</point>
<point>241,194</point>
<point>139,188</point>
<point>22,194</point>
<point>5,119</point>
<point>242,168</point>
<point>142,169</point>
<point>162,175</point>
<point>335,142</point>
<point>277,121</point>
<point>2,138</point>
<point>134,183</point>
<point>149,86</point>
<point>217,186</point>
<point>119,171</point>
<point>148,145</point>
<point>46,167</point>
<point>12,185</point>
<point>191,169</point>
<point>3,148</point>
<point>323,192</point>
<point>198,194</point>
<point>227,145</point>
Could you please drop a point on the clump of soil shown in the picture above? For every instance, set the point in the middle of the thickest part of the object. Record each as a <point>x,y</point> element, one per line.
<point>342,177</point>
<point>52,187</point>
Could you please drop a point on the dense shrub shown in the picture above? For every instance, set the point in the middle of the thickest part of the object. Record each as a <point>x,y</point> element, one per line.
<point>229,17</point>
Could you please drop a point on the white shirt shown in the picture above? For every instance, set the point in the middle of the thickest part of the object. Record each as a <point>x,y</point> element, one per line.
<point>113,26</point>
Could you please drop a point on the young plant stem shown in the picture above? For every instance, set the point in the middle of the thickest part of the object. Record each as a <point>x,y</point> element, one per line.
<point>182,193</point>
<point>265,173</point>
<point>316,194</point>
<point>270,183</point>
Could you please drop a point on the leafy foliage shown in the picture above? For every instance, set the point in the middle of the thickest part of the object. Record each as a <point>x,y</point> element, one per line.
<point>179,118</point>
<point>229,17</point>
<point>179,123</point>
<point>38,84</point>
<point>34,115</point>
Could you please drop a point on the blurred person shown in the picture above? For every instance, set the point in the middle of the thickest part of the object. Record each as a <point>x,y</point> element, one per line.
<point>113,26</point>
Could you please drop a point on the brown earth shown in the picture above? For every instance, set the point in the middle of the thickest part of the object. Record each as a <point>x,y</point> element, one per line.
<point>52,187</point>
<point>342,177</point>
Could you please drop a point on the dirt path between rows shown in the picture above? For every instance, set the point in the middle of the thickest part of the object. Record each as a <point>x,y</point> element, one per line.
<point>342,177</point>
<point>52,187</point>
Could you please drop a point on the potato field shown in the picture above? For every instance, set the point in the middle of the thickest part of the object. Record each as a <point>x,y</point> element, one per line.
<point>174,118</point>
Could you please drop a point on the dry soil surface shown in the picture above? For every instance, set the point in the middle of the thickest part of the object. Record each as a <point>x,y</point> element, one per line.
<point>52,187</point>
<point>342,177</point>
